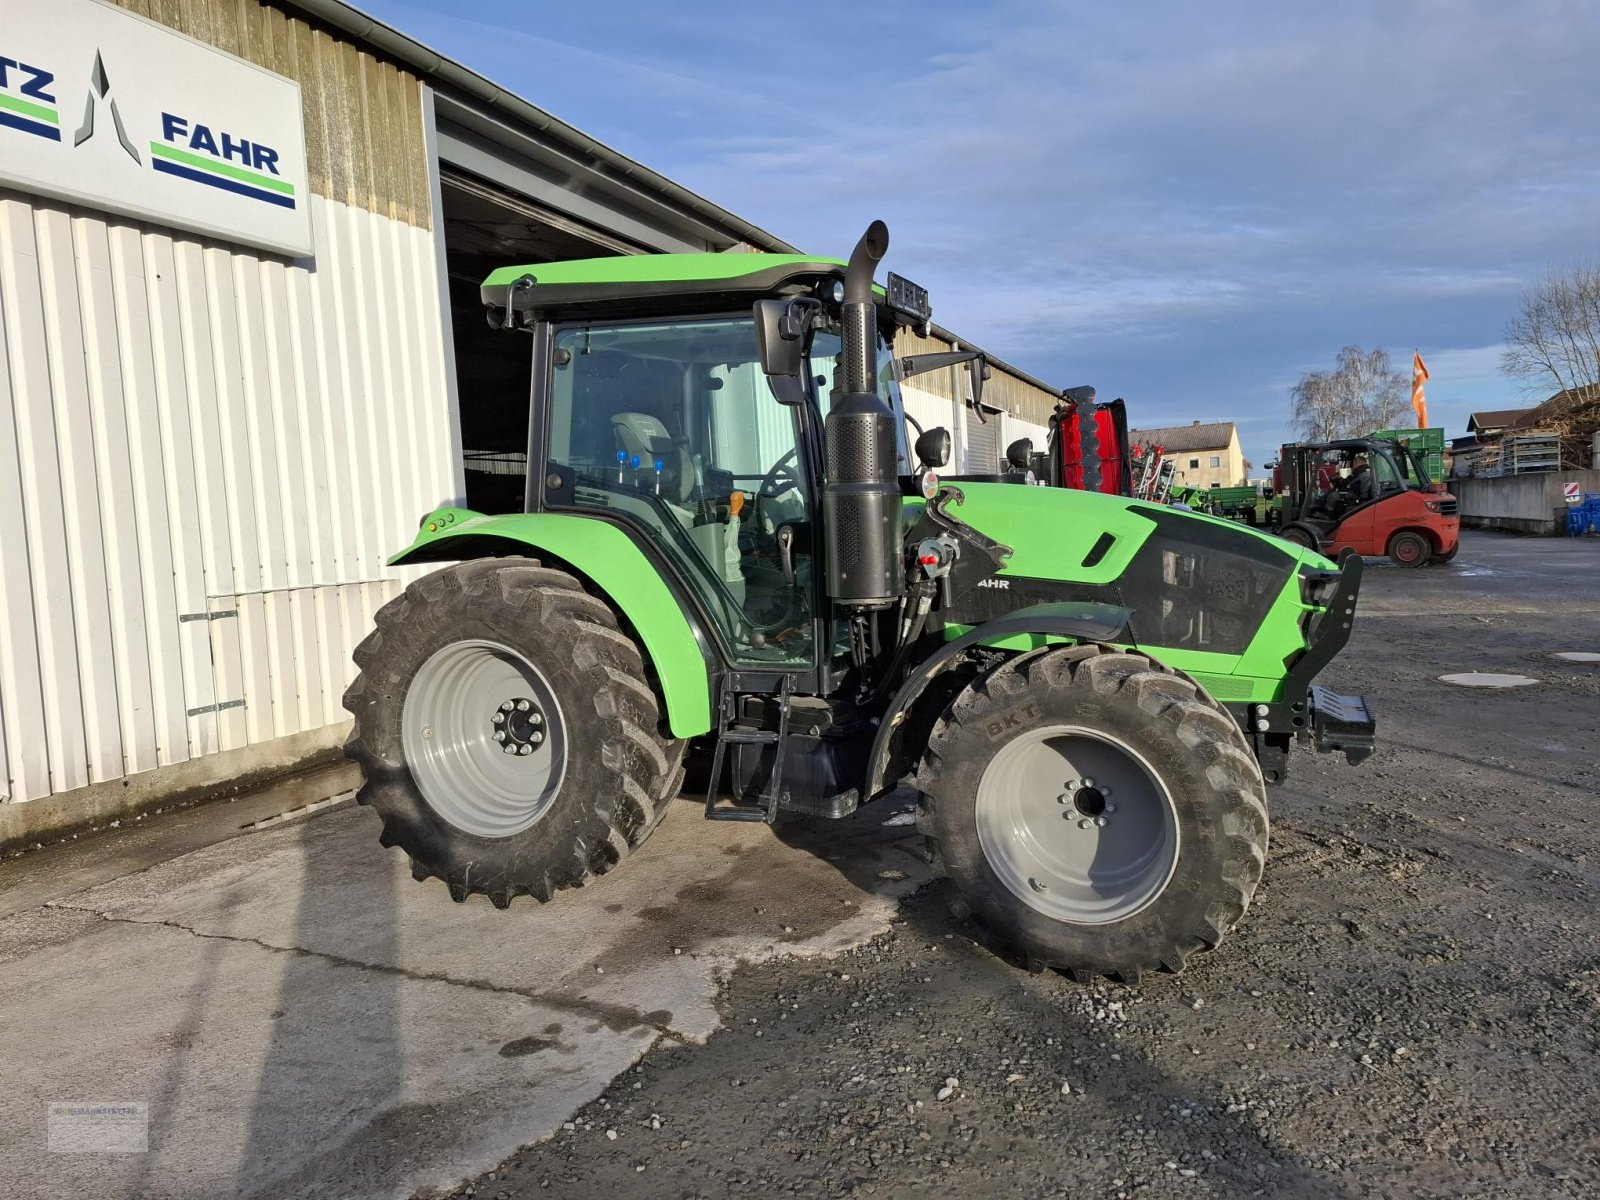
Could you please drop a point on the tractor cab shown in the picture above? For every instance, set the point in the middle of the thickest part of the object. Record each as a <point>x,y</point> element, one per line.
<point>1369,495</point>
<point>660,416</point>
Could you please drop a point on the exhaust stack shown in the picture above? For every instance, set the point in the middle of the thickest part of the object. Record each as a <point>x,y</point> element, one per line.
<point>861,495</point>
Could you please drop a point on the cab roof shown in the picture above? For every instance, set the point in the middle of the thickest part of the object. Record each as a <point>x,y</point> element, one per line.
<point>698,280</point>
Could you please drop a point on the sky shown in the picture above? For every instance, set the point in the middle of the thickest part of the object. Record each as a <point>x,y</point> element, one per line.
<point>1189,205</point>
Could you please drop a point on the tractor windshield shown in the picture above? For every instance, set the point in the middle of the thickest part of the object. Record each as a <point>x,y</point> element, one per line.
<point>825,350</point>
<point>1416,475</point>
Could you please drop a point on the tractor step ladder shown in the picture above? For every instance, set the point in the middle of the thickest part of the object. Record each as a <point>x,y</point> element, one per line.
<point>727,735</point>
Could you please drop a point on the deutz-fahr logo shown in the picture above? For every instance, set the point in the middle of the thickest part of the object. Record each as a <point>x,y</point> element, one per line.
<point>188,148</point>
<point>26,101</point>
<point>992,582</point>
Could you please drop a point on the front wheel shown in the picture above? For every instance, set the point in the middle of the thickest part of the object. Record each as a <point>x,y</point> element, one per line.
<point>1097,810</point>
<point>1448,554</point>
<point>1408,548</point>
<point>1299,535</point>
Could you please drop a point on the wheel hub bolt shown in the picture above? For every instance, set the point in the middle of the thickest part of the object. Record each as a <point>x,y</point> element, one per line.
<point>507,707</point>
<point>500,735</point>
<point>1065,797</point>
<point>537,738</point>
<point>499,718</point>
<point>1086,824</point>
<point>524,705</point>
<point>1087,782</point>
<point>1111,808</point>
<point>1100,821</point>
<point>524,749</point>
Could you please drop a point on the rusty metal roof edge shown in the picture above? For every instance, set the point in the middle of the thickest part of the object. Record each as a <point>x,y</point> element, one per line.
<point>433,66</point>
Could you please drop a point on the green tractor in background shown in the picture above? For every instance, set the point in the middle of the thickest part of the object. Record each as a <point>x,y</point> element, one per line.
<point>732,549</point>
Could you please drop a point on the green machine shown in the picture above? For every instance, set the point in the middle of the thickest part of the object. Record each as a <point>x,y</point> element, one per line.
<point>733,559</point>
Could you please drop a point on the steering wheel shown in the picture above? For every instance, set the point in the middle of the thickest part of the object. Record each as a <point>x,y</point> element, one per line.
<point>780,479</point>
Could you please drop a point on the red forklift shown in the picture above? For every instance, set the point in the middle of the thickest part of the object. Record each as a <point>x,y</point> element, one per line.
<point>1369,495</point>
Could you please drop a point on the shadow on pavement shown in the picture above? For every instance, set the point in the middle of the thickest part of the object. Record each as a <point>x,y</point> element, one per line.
<point>326,1013</point>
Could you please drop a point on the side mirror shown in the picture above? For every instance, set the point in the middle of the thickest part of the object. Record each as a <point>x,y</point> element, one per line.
<point>933,447</point>
<point>782,327</point>
<point>978,370</point>
<point>1020,454</point>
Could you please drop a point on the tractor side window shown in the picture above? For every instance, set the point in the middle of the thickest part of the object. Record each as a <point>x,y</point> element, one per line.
<point>672,428</point>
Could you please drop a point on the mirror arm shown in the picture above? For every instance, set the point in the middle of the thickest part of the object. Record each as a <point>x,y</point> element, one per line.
<point>789,389</point>
<point>921,364</point>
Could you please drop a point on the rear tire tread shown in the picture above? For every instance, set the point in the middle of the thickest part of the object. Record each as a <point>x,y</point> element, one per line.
<point>650,766</point>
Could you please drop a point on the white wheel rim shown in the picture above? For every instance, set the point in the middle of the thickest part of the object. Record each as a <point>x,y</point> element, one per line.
<point>485,738</point>
<point>1077,824</point>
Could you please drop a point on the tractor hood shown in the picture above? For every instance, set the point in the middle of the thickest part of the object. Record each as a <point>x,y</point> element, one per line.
<point>1061,533</point>
<point>1207,595</point>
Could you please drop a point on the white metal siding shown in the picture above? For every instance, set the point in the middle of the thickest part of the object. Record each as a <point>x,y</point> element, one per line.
<point>205,456</point>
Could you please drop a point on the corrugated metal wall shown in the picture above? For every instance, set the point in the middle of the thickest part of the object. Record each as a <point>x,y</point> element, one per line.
<point>205,457</point>
<point>206,453</point>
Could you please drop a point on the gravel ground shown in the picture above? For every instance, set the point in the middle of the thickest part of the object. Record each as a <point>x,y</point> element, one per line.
<point>1409,1009</point>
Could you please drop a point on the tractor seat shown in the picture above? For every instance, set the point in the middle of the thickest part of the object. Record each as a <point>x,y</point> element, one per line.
<point>643,435</point>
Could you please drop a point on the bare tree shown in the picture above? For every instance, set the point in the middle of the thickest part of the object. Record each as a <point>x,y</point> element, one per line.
<point>1553,344</point>
<point>1363,393</point>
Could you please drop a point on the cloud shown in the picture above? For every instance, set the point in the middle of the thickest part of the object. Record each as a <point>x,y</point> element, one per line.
<point>1188,205</point>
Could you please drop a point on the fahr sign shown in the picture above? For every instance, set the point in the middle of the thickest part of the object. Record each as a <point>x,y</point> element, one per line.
<point>109,110</point>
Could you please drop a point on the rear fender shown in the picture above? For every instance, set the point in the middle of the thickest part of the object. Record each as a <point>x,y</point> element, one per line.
<point>608,559</point>
<point>1071,622</point>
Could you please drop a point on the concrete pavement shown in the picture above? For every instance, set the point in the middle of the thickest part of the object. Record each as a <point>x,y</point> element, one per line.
<point>304,1019</point>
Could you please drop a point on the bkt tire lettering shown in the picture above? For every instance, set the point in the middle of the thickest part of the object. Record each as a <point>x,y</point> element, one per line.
<point>1014,721</point>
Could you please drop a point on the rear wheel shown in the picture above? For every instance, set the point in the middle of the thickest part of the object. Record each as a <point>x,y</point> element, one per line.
<point>1097,810</point>
<point>1408,548</point>
<point>507,734</point>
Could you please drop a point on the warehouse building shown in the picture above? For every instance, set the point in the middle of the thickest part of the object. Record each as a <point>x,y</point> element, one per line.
<point>242,349</point>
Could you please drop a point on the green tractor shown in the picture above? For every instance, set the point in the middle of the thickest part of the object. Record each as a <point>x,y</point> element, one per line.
<point>733,552</point>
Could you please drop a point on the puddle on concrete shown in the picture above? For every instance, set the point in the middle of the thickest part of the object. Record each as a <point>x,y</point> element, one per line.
<point>1576,656</point>
<point>1487,679</point>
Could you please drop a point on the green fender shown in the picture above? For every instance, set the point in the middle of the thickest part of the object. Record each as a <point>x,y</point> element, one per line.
<point>605,555</point>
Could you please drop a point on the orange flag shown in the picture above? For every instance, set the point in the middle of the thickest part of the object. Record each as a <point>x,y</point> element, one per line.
<point>1419,402</point>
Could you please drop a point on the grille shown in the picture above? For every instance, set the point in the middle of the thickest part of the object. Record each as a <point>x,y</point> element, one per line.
<point>1448,506</point>
<point>848,536</point>
<point>855,448</point>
